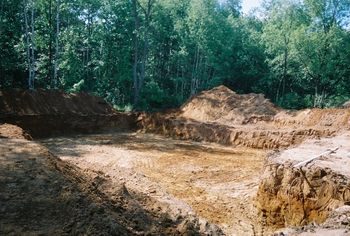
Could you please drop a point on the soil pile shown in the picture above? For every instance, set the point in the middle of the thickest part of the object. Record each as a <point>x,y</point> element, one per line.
<point>12,131</point>
<point>43,195</point>
<point>46,113</point>
<point>222,116</point>
<point>222,105</point>
<point>42,102</point>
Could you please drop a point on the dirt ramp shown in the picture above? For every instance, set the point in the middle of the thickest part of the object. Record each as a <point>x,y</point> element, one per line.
<point>46,113</point>
<point>289,195</point>
<point>224,106</point>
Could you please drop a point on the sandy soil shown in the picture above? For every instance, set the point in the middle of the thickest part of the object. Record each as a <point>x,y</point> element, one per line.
<point>43,195</point>
<point>315,194</point>
<point>216,182</point>
<point>339,161</point>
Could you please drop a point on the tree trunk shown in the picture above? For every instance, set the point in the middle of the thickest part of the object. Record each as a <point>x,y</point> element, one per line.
<point>195,73</point>
<point>27,41</point>
<point>139,78</point>
<point>1,14</point>
<point>285,70</point>
<point>49,76</point>
<point>55,72</point>
<point>30,46</point>
<point>145,44</point>
<point>32,85</point>
<point>136,52</point>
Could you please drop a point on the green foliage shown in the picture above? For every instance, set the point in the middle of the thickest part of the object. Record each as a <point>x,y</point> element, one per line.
<point>298,53</point>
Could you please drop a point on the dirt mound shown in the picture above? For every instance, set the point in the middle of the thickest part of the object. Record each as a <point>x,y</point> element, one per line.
<point>222,105</point>
<point>13,131</point>
<point>222,116</point>
<point>45,113</point>
<point>50,102</point>
<point>42,195</point>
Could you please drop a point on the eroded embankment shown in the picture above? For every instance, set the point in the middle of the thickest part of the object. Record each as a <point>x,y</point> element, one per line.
<point>50,113</point>
<point>287,196</point>
<point>261,136</point>
<point>292,196</point>
<point>250,120</point>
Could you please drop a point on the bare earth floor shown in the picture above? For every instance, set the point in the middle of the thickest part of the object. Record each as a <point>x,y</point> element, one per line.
<point>216,182</point>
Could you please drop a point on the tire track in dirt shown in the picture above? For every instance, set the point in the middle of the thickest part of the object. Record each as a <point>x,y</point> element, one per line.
<point>218,182</point>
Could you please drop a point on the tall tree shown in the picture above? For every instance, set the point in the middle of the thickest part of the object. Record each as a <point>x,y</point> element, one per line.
<point>29,19</point>
<point>141,34</point>
<point>57,34</point>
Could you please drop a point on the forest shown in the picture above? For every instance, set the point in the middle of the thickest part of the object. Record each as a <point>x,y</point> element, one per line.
<point>155,54</point>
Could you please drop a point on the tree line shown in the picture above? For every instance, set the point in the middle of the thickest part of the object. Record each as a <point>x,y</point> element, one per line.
<point>155,54</point>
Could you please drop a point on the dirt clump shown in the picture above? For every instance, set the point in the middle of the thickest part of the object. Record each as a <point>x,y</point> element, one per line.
<point>224,106</point>
<point>13,131</point>
<point>292,196</point>
<point>43,195</point>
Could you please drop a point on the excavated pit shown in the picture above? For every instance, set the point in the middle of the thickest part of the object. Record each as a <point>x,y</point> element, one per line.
<point>216,183</point>
<point>213,178</point>
<point>42,194</point>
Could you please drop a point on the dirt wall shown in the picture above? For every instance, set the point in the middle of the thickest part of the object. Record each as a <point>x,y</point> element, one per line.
<point>261,137</point>
<point>47,113</point>
<point>40,126</point>
<point>292,195</point>
<point>220,115</point>
<point>18,102</point>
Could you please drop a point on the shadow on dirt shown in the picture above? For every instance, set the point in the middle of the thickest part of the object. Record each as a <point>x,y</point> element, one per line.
<point>132,141</point>
<point>43,195</point>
